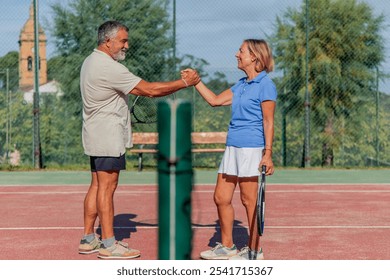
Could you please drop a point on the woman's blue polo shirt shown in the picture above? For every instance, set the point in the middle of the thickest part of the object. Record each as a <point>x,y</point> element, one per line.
<point>246,126</point>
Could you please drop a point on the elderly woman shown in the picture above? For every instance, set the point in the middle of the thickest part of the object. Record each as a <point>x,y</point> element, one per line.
<point>248,145</point>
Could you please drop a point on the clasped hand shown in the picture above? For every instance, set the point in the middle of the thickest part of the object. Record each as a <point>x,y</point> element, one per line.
<point>190,76</point>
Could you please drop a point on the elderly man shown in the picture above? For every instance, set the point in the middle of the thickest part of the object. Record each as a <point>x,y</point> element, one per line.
<point>105,84</point>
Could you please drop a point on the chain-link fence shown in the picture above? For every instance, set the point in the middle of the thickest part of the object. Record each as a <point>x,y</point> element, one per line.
<point>332,65</point>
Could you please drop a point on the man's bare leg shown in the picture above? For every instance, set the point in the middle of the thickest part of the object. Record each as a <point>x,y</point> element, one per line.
<point>107,184</point>
<point>90,209</point>
<point>89,244</point>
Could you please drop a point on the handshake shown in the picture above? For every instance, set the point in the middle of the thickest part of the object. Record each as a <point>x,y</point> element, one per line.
<point>190,77</point>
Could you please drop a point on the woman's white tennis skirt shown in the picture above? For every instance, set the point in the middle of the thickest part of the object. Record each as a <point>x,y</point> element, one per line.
<point>241,162</point>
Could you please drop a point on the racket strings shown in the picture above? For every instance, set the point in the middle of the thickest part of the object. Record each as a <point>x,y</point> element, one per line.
<point>145,110</point>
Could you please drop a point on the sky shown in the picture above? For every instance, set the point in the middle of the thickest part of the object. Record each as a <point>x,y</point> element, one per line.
<point>208,29</point>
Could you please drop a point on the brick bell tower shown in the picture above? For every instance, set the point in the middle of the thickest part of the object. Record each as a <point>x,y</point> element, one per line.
<point>26,54</point>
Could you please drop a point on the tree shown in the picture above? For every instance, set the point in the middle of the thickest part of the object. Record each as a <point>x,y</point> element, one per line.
<point>11,62</point>
<point>21,125</point>
<point>9,80</point>
<point>345,47</point>
<point>75,32</point>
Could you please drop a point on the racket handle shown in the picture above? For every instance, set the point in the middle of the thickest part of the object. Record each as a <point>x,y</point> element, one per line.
<point>263,168</point>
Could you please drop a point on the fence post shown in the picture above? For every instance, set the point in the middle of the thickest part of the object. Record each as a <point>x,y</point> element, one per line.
<point>37,156</point>
<point>307,95</point>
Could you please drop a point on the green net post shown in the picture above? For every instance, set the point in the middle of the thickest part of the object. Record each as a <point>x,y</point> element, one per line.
<point>175,178</point>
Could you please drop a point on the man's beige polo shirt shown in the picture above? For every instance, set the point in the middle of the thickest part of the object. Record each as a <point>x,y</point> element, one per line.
<point>104,85</point>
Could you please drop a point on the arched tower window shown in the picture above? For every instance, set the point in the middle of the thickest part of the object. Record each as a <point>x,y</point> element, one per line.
<point>29,63</point>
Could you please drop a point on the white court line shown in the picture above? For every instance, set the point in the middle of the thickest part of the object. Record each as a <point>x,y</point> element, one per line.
<point>51,185</point>
<point>330,191</point>
<point>313,184</point>
<point>317,191</point>
<point>203,227</point>
<point>74,192</point>
<point>195,191</point>
<point>205,185</point>
<point>71,228</point>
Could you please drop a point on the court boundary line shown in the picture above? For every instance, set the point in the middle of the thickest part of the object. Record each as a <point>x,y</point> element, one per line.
<point>206,227</point>
<point>201,185</point>
<point>196,191</point>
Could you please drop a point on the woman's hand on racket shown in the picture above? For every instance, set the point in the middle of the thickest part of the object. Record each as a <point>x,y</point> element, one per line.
<point>267,161</point>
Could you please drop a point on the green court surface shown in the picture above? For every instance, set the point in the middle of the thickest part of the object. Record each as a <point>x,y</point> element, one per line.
<point>281,176</point>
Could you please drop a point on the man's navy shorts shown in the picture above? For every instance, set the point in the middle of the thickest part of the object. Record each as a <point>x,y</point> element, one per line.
<point>108,163</point>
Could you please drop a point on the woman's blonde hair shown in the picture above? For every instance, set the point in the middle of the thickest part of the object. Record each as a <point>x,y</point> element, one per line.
<point>263,53</point>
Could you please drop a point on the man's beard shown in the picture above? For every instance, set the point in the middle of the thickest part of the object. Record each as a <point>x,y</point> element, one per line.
<point>121,55</point>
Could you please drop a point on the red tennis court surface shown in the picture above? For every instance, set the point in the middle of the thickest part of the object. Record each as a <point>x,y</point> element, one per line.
<point>314,222</point>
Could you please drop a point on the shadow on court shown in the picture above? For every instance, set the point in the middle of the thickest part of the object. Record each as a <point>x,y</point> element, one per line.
<point>240,234</point>
<point>124,226</point>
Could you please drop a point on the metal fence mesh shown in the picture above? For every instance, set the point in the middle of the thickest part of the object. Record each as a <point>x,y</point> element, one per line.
<point>332,66</point>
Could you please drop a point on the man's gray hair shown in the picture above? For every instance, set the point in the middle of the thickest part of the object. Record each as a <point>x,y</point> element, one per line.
<point>109,29</point>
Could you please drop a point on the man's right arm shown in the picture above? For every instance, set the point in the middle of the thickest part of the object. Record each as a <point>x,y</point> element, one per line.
<point>155,89</point>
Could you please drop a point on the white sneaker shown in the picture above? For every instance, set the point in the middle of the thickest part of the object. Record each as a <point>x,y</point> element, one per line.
<point>248,254</point>
<point>87,248</point>
<point>219,252</point>
<point>119,250</point>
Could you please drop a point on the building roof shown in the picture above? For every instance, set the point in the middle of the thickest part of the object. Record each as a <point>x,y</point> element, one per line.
<point>52,87</point>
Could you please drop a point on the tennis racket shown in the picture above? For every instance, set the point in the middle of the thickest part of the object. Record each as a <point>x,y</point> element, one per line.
<point>260,207</point>
<point>144,109</point>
